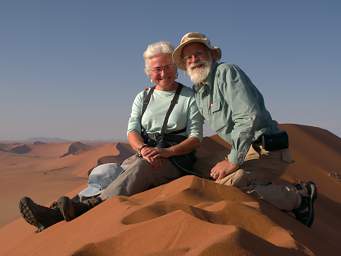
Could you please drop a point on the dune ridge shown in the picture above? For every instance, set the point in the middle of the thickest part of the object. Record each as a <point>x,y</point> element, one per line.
<point>195,216</point>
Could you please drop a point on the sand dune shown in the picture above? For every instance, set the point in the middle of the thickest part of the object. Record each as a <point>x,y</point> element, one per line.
<point>20,149</point>
<point>39,143</point>
<point>192,216</point>
<point>43,175</point>
<point>124,152</point>
<point>76,148</point>
<point>16,148</point>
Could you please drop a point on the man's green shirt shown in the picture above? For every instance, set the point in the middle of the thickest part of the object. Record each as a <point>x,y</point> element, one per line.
<point>234,108</point>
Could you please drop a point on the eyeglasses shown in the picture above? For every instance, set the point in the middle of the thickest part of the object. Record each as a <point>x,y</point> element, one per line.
<point>196,54</point>
<point>165,68</point>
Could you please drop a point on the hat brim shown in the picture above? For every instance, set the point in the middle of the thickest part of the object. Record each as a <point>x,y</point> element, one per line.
<point>177,58</point>
<point>90,191</point>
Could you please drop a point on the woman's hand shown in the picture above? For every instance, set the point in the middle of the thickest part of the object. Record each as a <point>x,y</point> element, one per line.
<point>152,156</point>
<point>148,152</point>
<point>164,152</point>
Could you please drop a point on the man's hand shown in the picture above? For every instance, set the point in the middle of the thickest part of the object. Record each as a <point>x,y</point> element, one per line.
<point>222,169</point>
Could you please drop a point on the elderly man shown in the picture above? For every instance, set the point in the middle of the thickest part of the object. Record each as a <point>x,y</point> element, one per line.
<point>235,109</point>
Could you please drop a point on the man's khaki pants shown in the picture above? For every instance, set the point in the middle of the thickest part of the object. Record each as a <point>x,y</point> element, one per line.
<point>257,174</point>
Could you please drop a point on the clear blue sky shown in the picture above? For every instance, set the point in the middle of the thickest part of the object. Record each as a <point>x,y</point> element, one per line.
<point>71,68</point>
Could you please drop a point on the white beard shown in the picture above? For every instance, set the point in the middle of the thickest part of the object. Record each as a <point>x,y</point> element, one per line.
<point>199,74</point>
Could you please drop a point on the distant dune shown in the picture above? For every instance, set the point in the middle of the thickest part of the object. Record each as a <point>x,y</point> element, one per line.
<point>48,140</point>
<point>20,149</point>
<point>188,216</point>
<point>16,148</point>
<point>3,147</point>
<point>124,152</point>
<point>39,142</point>
<point>76,148</point>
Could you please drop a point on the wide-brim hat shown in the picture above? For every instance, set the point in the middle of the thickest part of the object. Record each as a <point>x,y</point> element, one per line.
<point>194,37</point>
<point>100,178</point>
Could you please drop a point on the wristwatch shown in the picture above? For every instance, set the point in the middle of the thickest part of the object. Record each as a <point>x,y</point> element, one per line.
<point>140,148</point>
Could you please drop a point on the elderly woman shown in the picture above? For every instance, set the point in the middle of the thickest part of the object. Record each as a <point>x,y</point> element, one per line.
<point>164,128</point>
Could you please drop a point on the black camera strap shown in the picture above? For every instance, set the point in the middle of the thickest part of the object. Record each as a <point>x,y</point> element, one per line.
<point>146,100</point>
<point>169,111</point>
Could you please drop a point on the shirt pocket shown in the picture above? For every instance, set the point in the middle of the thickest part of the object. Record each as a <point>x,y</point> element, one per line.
<point>217,117</point>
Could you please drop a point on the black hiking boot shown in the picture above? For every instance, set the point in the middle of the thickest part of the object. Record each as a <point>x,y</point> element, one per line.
<point>71,209</point>
<point>305,212</point>
<point>38,215</point>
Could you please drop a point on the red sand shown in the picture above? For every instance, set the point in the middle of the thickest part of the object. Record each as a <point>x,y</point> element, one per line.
<point>189,216</point>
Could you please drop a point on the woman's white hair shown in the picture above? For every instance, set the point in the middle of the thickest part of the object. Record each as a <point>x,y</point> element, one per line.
<point>154,49</point>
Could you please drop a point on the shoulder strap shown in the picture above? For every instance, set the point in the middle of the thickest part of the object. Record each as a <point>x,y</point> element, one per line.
<point>173,102</point>
<point>146,100</point>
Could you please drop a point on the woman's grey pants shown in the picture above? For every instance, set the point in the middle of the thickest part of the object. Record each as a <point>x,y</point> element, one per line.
<point>138,176</point>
